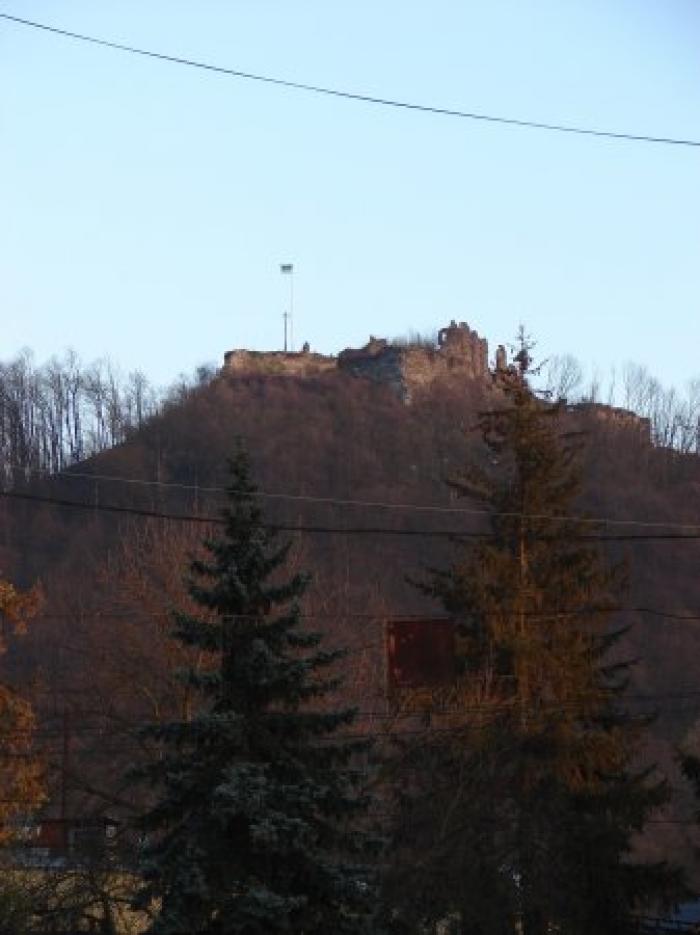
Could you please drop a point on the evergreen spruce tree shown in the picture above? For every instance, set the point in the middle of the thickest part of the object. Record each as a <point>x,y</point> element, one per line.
<point>522,804</point>
<point>257,827</point>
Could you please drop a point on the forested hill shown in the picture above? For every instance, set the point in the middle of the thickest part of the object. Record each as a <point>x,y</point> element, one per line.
<point>338,452</point>
<point>349,471</point>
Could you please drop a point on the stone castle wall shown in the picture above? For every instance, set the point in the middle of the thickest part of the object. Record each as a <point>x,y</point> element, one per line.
<point>459,352</point>
<point>615,417</point>
<point>283,363</point>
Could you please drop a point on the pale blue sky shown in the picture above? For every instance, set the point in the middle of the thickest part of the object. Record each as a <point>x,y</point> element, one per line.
<point>145,207</point>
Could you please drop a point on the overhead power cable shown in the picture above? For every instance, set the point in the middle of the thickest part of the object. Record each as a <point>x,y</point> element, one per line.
<point>457,534</point>
<point>439,509</point>
<point>351,95</point>
<point>631,705</point>
<point>661,703</point>
<point>392,617</point>
<point>109,508</point>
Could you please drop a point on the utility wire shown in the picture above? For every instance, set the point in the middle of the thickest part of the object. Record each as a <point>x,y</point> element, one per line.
<point>458,534</point>
<point>107,508</point>
<point>375,504</point>
<point>350,95</point>
<point>99,617</point>
<point>623,706</point>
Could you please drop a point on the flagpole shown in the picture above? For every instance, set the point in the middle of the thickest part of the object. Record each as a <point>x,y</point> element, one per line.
<point>287,269</point>
<point>291,311</point>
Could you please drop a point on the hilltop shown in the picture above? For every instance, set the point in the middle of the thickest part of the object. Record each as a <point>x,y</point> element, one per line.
<point>407,366</point>
<point>352,461</point>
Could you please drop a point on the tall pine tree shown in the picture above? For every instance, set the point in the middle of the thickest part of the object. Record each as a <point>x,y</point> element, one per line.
<point>257,827</point>
<point>521,806</point>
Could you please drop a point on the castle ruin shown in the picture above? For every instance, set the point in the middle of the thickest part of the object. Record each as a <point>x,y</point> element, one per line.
<point>459,352</point>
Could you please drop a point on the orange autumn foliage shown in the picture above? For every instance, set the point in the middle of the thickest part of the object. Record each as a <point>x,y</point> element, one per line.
<point>21,770</point>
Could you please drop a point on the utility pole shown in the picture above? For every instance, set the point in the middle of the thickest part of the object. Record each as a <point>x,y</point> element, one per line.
<point>287,269</point>
<point>65,762</point>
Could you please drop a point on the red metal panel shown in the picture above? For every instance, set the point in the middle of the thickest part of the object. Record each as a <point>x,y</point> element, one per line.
<point>53,835</point>
<point>420,652</point>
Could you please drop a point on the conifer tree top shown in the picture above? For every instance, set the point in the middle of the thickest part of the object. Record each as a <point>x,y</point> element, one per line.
<point>254,828</point>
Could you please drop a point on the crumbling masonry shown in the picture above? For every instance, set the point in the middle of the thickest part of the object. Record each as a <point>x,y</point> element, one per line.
<point>460,352</point>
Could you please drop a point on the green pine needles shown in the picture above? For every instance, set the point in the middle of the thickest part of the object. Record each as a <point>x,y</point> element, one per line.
<point>519,809</point>
<point>258,822</point>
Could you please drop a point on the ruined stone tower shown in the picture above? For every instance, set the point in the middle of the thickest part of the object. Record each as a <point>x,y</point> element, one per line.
<point>459,352</point>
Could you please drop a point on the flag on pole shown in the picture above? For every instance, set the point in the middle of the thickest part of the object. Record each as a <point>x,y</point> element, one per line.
<point>286,268</point>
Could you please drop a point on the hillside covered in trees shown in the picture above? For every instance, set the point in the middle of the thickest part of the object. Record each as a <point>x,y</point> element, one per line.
<point>110,489</point>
